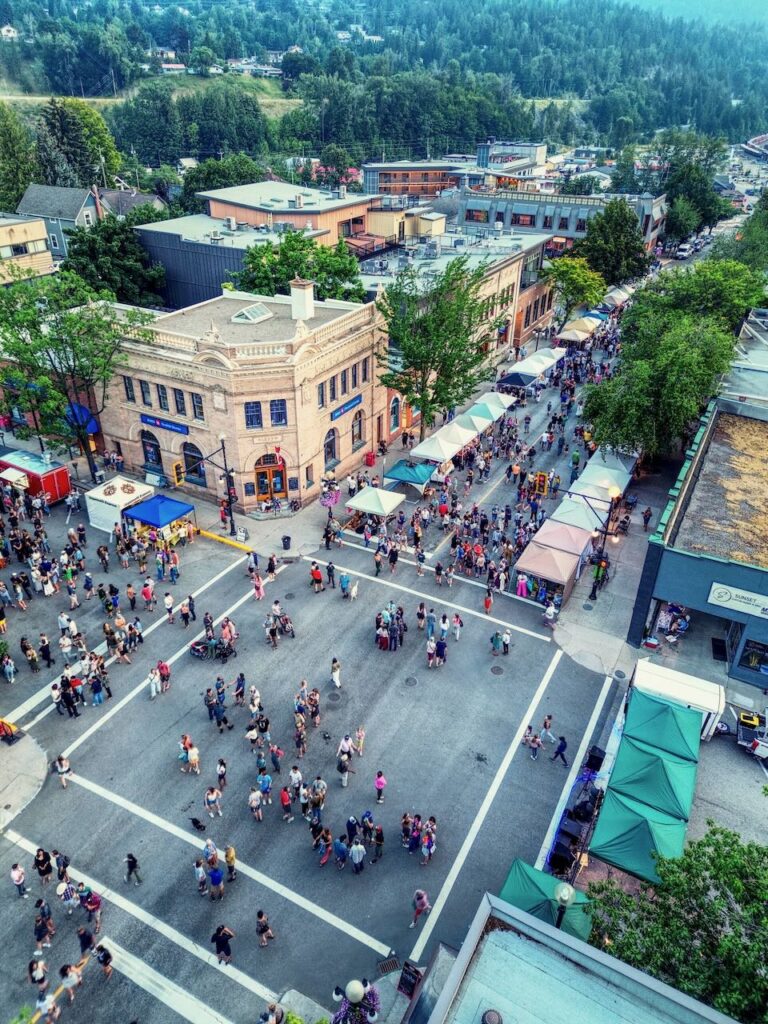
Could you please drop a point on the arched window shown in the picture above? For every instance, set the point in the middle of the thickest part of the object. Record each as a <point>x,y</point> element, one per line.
<point>394,415</point>
<point>194,466</point>
<point>358,433</point>
<point>151,448</point>
<point>331,448</point>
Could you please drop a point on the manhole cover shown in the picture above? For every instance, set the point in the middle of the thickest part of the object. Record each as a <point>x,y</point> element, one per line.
<point>587,606</point>
<point>333,698</point>
<point>411,681</point>
<point>7,807</point>
<point>619,674</point>
<point>289,597</point>
<point>497,670</point>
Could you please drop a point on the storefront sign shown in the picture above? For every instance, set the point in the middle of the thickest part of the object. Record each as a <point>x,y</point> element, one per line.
<point>347,407</point>
<point>745,601</point>
<point>158,421</point>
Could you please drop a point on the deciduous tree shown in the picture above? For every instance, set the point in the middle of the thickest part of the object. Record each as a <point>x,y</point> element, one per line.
<point>682,219</point>
<point>269,269</point>
<point>613,245</point>
<point>574,284</point>
<point>238,169</point>
<point>439,337</point>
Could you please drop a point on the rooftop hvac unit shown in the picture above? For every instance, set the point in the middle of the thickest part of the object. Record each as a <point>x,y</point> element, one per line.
<point>216,237</point>
<point>299,201</point>
<point>242,225</point>
<point>342,191</point>
<point>231,223</point>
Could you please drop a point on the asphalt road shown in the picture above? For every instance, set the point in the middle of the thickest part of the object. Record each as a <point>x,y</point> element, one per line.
<point>447,739</point>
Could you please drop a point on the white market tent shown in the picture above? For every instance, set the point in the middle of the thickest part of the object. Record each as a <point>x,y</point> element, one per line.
<point>375,501</point>
<point>583,323</point>
<point>436,449</point>
<point>105,503</point>
<point>591,494</point>
<point>542,361</point>
<point>604,477</point>
<point>456,432</point>
<point>496,396</point>
<point>576,512</point>
<point>16,478</point>
<point>475,421</point>
<point>609,458</point>
<point>575,336</point>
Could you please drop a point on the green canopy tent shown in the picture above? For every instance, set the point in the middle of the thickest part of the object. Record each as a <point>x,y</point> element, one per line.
<point>669,727</point>
<point>409,473</point>
<point>629,832</point>
<point>534,892</point>
<point>657,778</point>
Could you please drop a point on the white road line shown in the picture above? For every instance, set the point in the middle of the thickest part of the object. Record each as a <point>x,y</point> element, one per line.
<point>118,707</point>
<point>387,581</point>
<point>574,771</point>
<point>163,989</point>
<point>485,806</point>
<point>244,869</point>
<point>45,693</point>
<point>155,923</point>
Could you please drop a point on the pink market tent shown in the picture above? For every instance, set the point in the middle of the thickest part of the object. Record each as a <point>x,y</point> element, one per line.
<point>559,567</point>
<point>564,537</point>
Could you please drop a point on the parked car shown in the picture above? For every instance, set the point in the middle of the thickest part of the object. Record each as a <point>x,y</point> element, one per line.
<point>684,251</point>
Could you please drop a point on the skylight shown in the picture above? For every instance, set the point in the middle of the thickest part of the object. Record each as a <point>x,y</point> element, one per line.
<point>252,314</point>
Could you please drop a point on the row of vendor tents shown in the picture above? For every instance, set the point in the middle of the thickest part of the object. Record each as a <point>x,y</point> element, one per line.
<point>580,330</point>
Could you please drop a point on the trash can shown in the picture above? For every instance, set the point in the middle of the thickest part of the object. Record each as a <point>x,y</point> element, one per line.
<point>286,542</point>
<point>370,458</point>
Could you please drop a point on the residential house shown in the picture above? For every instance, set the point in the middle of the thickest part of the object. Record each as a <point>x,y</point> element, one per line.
<point>186,163</point>
<point>8,34</point>
<point>120,201</point>
<point>62,210</point>
<point>172,68</point>
<point>289,382</point>
<point>23,248</point>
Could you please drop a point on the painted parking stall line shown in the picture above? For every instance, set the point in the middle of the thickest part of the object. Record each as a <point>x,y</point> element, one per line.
<point>155,923</point>
<point>445,891</point>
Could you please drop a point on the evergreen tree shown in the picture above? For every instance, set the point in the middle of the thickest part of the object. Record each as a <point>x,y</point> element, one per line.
<point>18,159</point>
<point>613,246</point>
<point>53,167</point>
<point>67,132</point>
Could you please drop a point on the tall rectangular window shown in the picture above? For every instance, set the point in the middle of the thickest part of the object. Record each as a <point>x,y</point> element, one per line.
<point>321,396</point>
<point>162,397</point>
<point>332,389</point>
<point>365,370</point>
<point>354,376</point>
<point>146,394</point>
<point>181,402</point>
<point>253,420</point>
<point>344,382</point>
<point>130,393</point>
<point>278,412</point>
<point>197,406</point>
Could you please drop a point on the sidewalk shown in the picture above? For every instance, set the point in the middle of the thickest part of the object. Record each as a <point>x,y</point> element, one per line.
<point>24,767</point>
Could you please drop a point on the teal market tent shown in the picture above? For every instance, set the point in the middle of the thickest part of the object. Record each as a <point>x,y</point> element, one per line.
<point>668,727</point>
<point>159,511</point>
<point>405,472</point>
<point>534,892</point>
<point>656,777</point>
<point>629,832</point>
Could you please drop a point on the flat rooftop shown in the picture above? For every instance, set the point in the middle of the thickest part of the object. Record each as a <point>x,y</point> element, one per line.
<point>726,515</point>
<point>747,378</point>
<point>198,227</point>
<point>9,222</point>
<point>275,196</point>
<point>530,972</point>
<point>268,318</point>
<point>382,269</point>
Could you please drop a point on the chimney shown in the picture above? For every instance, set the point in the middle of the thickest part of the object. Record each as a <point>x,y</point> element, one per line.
<point>299,200</point>
<point>302,299</point>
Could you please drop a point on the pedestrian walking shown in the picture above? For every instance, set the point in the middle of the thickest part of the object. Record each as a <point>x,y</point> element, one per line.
<point>286,802</point>
<point>168,605</point>
<point>212,801</point>
<point>86,940</point>
<point>377,562</point>
<point>546,729</point>
<point>263,928</point>
<point>71,978</point>
<point>647,513</point>
<point>330,572</point>
<point>62,769</point>
<point>40,932</point>
<point>43,865</point>
<point>221,773</point>
<point>421,905</point>
<point>336,672</point>
<point>535,744</point>
<point>457,626</point>
<point>132,869</point>
<point>221,939</point>
<point>506,638</point>
<point>357,856</point>
<point>104,959</point>
<point>378,844</point>
<point>230,859</point>
<point>560,750</point>
<point>216,882</point>
<point>200,877</point>
<point>380,784</point>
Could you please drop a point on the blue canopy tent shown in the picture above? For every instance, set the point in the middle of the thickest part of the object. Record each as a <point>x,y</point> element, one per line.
<point>404,472</point>
<point>159,511</point>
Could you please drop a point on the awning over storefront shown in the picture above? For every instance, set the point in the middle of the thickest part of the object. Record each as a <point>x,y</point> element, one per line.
<point>375,501</point>
<point>534,892</point>
<point>405,472</point>
<point>159,511</point>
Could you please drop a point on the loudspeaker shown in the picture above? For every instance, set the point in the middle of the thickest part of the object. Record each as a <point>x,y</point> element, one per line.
<point>561,859</point>
<point>595,759</point>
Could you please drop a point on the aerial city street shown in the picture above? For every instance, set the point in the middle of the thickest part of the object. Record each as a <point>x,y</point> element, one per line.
<point>383,553</point>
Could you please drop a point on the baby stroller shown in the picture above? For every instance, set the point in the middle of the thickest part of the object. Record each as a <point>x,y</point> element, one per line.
<point>224,651</point>
<point>285,625</point>
<point>199,649</point>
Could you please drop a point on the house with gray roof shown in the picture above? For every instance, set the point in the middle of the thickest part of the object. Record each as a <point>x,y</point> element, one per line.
<point>62,210</point>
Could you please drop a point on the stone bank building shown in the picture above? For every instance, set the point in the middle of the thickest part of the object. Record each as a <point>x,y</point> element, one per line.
<point>288,382</point>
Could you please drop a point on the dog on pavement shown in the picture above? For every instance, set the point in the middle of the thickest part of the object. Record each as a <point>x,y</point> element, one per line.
<point>353,591</point>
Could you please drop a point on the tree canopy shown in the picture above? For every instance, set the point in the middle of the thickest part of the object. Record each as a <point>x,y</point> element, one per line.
<point>682,219</point>
<point>574,284</point>
<point>18,158</point>
<point>62,339</point>
<point>238,169</point>
<point>268,269</point>
<point>613,245</point>
<point>439,337</point>
<point>703,929</point>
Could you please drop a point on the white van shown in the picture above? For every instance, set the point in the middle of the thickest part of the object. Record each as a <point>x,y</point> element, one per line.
<point>684,251</point>
<point>680,688</point>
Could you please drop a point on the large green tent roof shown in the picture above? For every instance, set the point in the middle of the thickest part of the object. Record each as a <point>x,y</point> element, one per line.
<point>669,727</point>
<point>657,778</point>
<point>534,892</point>
<point>628,832</point>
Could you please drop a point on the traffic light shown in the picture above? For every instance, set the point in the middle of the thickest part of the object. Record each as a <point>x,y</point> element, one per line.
<point>178,473</point>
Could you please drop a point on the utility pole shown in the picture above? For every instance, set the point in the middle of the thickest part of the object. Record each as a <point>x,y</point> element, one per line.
<point>114,87</point>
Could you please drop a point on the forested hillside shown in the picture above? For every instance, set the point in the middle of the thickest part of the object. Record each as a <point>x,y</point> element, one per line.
<point>443,75</point>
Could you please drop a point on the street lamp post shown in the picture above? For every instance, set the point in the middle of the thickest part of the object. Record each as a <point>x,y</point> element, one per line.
<point>600,531</point>
<point>565,894</point>
<point>229,484</point>
<point>359,1002</point>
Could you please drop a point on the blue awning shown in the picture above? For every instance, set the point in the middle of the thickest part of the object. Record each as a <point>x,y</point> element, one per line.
<point>80,416</point>
<point>517,380</point>
<point>160,510</point>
